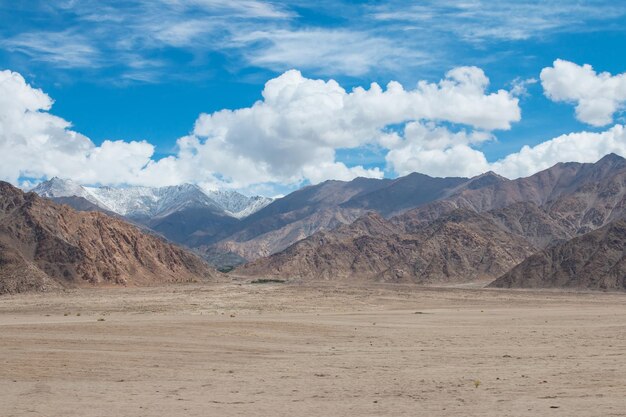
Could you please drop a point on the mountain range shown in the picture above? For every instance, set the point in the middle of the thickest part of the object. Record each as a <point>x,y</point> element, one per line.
<point>410,229</point>
<point>151,202</point>
<point>479,229</point>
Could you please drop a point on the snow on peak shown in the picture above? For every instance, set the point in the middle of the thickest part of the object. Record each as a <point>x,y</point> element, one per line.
<point>57,187</point>
<point>236,204</point>
<point>148,202</point>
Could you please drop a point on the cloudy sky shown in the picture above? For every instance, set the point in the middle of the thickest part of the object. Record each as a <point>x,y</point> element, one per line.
<point>265,97</point>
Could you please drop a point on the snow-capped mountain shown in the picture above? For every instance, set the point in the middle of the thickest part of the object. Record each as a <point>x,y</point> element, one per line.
<point>57,187</point>
<point>151,202</point>
<point>140,202</point>
<point>236,204</point>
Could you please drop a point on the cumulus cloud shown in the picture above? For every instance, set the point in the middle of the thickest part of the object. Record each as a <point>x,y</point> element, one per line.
<point>35,143</point>
<point>437,151</point>
<point>597,96</point>
<point>294,131</point>
<point>574,147</point>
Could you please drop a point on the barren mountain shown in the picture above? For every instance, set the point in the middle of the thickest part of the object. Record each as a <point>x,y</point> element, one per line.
<point>481,229</point>
<point>328,205</point>
<point>418,198</point>
<point>46,245</point>
<point>405,193</point>
<point>489,191</point>
<point>461,246</point>
<point>185,214</point>
<point>596,260</point>
<point>296,216</point>
<point>276,240</point>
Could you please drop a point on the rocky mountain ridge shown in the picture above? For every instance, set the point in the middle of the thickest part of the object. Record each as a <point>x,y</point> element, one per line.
<point>480,230</point>
<point>595,260</point>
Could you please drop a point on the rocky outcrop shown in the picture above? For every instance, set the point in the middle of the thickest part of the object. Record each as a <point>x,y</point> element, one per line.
<point>462,246</point>
<point>46,245</point>
<point>596,260</point>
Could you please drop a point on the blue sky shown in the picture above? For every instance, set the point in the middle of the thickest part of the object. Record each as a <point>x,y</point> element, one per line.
<point>144,70</point>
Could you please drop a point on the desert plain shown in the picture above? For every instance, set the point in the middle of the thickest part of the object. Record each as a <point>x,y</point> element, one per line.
<point>243,349</point>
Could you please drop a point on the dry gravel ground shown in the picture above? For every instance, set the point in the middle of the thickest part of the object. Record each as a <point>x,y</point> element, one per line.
<point>288,350</point>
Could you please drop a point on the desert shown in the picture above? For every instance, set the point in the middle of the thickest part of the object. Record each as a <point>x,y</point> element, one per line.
<point>332,208</point>
<point>239,348</point>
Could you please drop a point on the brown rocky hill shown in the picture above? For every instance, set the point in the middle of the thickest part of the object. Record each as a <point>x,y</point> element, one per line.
<point>596,260</point>
<point>45,245</point>
<point>461,246</point>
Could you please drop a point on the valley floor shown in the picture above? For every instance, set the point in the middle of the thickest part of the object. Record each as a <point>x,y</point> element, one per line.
<point>289,350</point>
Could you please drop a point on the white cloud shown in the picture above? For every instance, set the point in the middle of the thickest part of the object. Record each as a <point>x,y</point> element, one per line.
<point>479,21</point>
<point>35,143</point>
<point>597,96</point>
<point>292,135</point>
<point>289,136</point>
<point>573,147</point>
<point>293,132</point>
<point>454,155</point>
<point>437,151</point>
<point>519,86</point>
<point>66,49</point>
<point>343,52</point>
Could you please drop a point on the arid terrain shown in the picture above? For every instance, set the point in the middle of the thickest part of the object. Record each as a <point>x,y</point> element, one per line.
<point>297,350</point>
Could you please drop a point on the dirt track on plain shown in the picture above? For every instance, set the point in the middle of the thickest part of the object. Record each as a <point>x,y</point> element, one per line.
<point>288,350</point>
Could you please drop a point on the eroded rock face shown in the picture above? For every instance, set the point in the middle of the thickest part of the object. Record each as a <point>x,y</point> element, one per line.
<point>462,246</point>
<point>45,245</point>
<point>596,260</point>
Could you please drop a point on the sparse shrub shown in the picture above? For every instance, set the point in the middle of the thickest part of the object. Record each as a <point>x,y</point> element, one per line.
<point>268,281</point>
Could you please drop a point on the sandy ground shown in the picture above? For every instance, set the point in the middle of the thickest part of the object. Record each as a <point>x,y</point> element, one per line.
<point>283,350</point>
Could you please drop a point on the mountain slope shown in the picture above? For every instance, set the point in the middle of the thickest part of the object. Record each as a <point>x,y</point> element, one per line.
<point>238,205</point>
<point>59,246</point>
<point>327,205</point>
<point>147,202</point>
<point>585,196</point>
<point>294,217</point>
<point>461,246</point>
<point>63,188</point>
<point>596,260</point>
<point>184,214</point>
<point>405,193</point>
